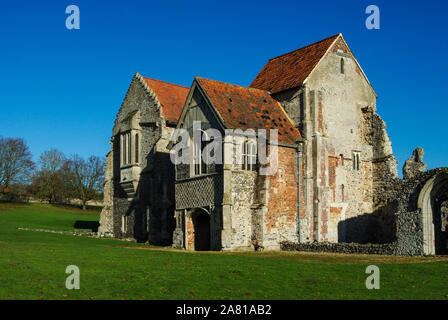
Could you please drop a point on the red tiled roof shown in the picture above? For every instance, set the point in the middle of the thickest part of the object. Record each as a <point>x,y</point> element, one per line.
<point>291,69</point>
<point>171,96</point>
<point>249,108</point>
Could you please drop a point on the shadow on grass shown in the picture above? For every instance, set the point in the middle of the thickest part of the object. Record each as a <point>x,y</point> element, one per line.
<point>92,225</point>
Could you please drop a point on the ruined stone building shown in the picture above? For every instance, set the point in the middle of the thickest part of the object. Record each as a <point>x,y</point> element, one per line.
<point>336,176</point>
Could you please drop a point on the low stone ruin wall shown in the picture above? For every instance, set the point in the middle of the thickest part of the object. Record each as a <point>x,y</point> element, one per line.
<point>368,248</point>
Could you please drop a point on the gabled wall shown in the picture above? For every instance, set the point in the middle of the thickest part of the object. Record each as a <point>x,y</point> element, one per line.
<point>194,193</point>
<point>247,210</point>
<point>149,203</point>
<point>336,113</point>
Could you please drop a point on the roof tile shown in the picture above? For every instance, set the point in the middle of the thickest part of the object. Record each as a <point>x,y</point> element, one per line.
<point>249,108</point>
<point>291,69</point>
<point>171,96</point>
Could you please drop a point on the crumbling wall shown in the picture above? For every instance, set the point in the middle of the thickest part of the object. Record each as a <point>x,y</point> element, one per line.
<point>106,228</point>
<point>380,227</point>
<point>407,221</point>
<point>385,174</point>
<point>414,165</point>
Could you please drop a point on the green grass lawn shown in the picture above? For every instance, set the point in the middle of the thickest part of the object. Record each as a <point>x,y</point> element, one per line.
<point>33,263</point>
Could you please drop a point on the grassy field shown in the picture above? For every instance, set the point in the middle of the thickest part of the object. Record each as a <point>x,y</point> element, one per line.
<point>33,263</point>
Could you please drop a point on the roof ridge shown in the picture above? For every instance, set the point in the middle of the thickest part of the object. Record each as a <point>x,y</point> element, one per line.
<point>235,85</point>
<point>174,84</point>
<point>309,45</point>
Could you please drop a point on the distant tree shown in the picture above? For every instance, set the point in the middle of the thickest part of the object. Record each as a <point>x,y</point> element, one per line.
<point>16,166</point>
<point>84,179</point>
<point>48,182</point>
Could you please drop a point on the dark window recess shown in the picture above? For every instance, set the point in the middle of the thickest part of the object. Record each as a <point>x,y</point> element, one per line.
<point>356,161</point>
<point>136,149</point>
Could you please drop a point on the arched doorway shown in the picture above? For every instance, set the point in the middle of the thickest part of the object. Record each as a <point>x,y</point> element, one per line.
<point>433,202</point>
<point>201,225</point>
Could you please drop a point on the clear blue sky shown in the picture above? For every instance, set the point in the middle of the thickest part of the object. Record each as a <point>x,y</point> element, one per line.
<point>62,88</point>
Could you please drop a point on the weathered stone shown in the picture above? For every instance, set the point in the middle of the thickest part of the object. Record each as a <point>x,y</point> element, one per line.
<point>139,179</point>
<point>415,164</point>
<point>369,248</point>
<point>335,190</point>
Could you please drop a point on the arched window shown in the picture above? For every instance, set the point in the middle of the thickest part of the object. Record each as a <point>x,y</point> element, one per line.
<point>342,65</point>
<point>249,155</point>
<point>128,135</point>
<point>125,140</point>
<point>130,140</point>
<point>137,160</point>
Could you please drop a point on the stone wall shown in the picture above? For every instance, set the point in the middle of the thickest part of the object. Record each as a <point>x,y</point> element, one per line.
<point>282,216</point>
<point>415,164</point>
<point>336,114</point>
<point>382,249</point>
<point>264,209</point>
<point>410,233</point>
<point>397,229</point>
<point>242,199</point>
<point>143,190</point>
<point>106,228</point>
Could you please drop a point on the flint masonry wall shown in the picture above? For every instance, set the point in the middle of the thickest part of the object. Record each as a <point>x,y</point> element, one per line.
<point>242,195</point>
<point>407,221</point>
<point>409,217</point>
<point>357,248</point>
<point>241,190</point>
<point>264,209</point>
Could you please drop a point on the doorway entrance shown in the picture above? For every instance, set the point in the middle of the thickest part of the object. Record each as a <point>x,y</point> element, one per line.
<point>201,225</point>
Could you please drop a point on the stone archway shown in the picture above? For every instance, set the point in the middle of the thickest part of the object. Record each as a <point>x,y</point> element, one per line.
<point>201,226</point>
<point>432,202</point>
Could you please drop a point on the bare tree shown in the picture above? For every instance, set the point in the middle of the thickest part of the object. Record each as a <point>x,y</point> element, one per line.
<point>16,166</point>
<point>85,179</point>
<point>48,182</point>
